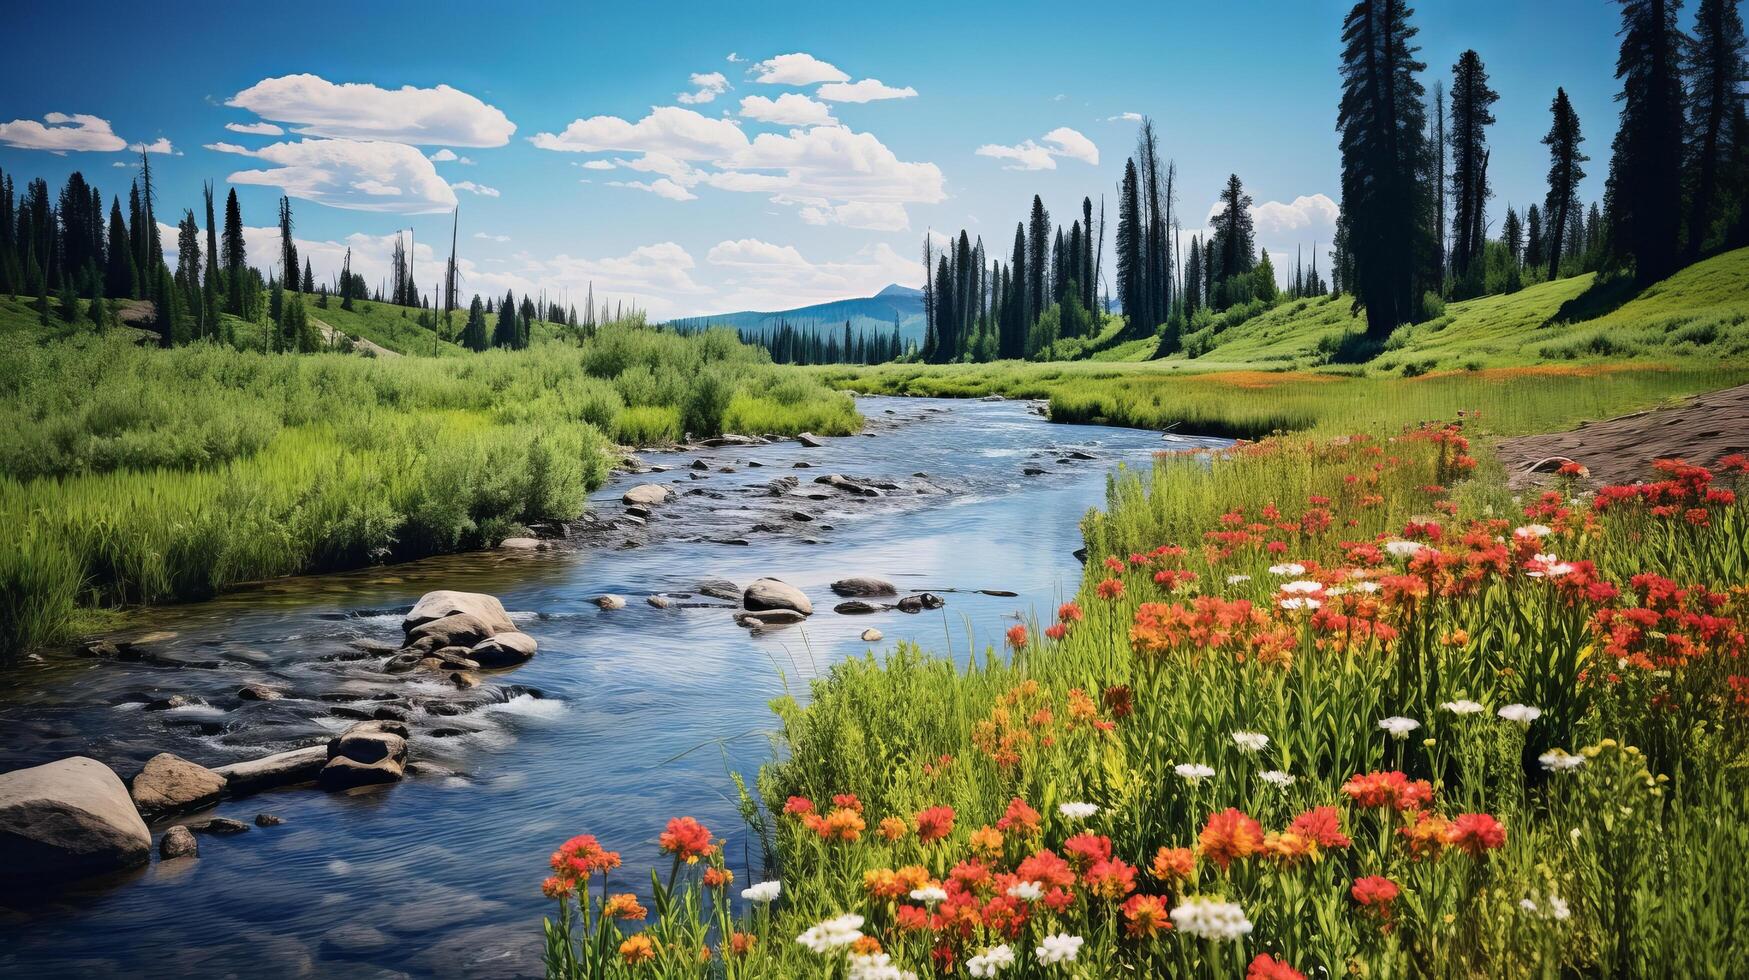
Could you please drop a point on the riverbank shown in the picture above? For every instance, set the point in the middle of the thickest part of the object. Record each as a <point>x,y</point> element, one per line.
<point>1320,705</point>
<point>137,475</point>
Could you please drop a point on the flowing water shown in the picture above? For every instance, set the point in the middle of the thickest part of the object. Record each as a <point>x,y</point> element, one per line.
<point>623,719</point>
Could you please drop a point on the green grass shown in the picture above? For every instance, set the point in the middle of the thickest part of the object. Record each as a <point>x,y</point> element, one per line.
<point>132,474</point>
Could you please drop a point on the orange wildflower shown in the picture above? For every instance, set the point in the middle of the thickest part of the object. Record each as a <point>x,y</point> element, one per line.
<point>1145,916</point>
<point>1267,967</point>
<point>1019,818</point>
<point>637,949</point>
<point>892,828</point>
<point>1474,833</point>
<point>742,943</point>
<point>1174,864</point>
<point>718,877</point>
<point>624,906</point>
<point>1229,836</point>
<point>934,823</point>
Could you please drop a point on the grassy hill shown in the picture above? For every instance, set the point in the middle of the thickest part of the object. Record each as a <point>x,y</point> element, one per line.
<point>872,314</point>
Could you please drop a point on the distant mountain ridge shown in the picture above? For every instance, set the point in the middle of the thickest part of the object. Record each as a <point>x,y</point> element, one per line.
<point>866,313</point>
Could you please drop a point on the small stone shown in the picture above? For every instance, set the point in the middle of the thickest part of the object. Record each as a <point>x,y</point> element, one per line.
<point>222,826</point>
<point>871,635</point>
<point>658,601</point>
<point>258,692</point>
<point>178,842</point>
<point>610,602</point>
<point>267,820</point>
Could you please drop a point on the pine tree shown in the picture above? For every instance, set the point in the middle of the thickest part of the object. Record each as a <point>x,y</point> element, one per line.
<point>69,300</point>
<point>507,334</point>
<point>1235,248</point>
<point>1533,238</point>
<point>1471,115</point>
<point>1644,189</point>
<point>1038,244</point>
<point>235,257</point>
<point>119,271</point>
<point>1512,236</point>
<point>288,250</point>
<point>1562,202</point>
<point>1716,68</point>
<point>98,310</point>
<point>474,333</point>
<point>1386,205</point>
<point>1128,248</point>
<point>309,283</point>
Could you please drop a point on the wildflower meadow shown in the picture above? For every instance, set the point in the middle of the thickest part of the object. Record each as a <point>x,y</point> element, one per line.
<point>1321,707</point>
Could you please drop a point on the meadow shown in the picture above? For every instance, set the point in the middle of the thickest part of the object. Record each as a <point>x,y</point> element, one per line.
<point>131,474</point>
<point>1322,706</point>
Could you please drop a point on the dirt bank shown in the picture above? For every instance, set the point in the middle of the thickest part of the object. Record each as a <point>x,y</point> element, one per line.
<point>1621,450</point>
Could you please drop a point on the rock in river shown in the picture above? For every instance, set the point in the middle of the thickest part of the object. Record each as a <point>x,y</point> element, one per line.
<point>170,784</point>
<point>771,593</point>
<point>769,617</point>
<point>459,630</point>
<point>645,495</point>
<point>610,601</point>
<point>720,588</point>
<point>279,769</point>
<point>367,754</point>
<point>437,605</point>
<point>503,650</point>
<point>810,440</point>
<point>858,607</point>
<point>871,635</point>
<point>863,585</point>
<point>178,842</point>
<point>68,819</point>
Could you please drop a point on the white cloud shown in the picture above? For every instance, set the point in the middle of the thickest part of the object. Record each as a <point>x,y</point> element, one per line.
<point>1125,117</point>
<point>444,155</point>
<point>834,163</point>
<point>706,87</point>
<point>159,145</point>
<point>733,57</point>
<point>867,90</point>
<point>661,187</point>
<point>1278,223</point>
<point>1030,155</point>
<point>760,275</point>
<point>678,132</point>
<point>472,188</point>
<point>870,216</point>
<point>63,132</point>
<point>788,109</point>
<point>796,69</point>
<point>352,174</point>
<point>500,239</point>
<point>255,129</point>
<point>597,165</point>
<point>314,106</point>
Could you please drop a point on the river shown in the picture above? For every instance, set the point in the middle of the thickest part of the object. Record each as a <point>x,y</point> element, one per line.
<point>623,719</point>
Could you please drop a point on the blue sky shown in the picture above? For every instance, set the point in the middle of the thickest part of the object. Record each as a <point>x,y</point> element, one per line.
<point>799,195</point>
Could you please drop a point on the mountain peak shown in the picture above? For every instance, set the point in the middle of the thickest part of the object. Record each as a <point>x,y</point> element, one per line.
<point>897,290</point>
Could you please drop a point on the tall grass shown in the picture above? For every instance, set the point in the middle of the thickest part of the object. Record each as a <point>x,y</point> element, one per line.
<point>130,474</point>
<point>1297,682</point>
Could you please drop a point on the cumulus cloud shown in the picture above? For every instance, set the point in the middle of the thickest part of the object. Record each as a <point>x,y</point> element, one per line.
<point>444,155</point>
<point>60,132</point>
<point>1314,215</point>
<point>1043,154</point>
<point>867,90</point>
<point>597,165</point>
<point>472,188</point>
<point>788,109</point>
<point>255,129</point>
<point>356,175</point>
<point>661,187</point>
<point>706,87</point>
<point>314,106</point>
<point>823,167</point>
<point>796,69</point>
<point>867,215</point>
<point>761,275</point>
<point>159,145</point>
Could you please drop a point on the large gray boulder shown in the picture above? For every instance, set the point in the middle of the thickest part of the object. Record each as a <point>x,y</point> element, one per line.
<point>645,495</point>
<point>170,785</point>
<point>437,605</point>
<point>279,769</point>
<point>459,630</point>
<point>862,586</point>
<point>68,819</point>
<point>771,593</point>
<point>503,650</point>
<point>368,754</point>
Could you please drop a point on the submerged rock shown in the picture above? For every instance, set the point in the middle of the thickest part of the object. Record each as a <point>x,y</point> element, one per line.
<point>858,607</point>
<point>68,819</point>
<point>170,785</point>
<point>267,820</point>
<point>258,692</point>
<point>443,603</point>
<point>863,585</point>
<point>610,601</point>
<point>219,826</point>
<point>720,588</point>
<point>645,495</point>
<point>769,617</point>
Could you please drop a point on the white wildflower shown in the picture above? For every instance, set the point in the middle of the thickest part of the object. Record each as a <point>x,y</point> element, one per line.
<point>990,962</point>
<point>1399,726</point>
<point>929,894</point>
<point>1287,568</point>
<point>832,934</point>
<point>1058,948</point>
<point>876,966</point>
<point>1077,811</point>
<point>1277,778</point>
<point>1532,531</point>
<point>1555,908</point>
<point>1335,590</point>
<point>1026,891</point>
<point>1462,706</point>
<point>1524,714</point>
<point>1559,760</point>
<point>765,891</point>
<point>1302,586</point>
<point>1251,741</point>
<point>1210,919</point>
<point>1403,549</point>
<point>1368,586</point>
<point>1299,602</point>
<point>1236,579</point>
<point>1193,771</point>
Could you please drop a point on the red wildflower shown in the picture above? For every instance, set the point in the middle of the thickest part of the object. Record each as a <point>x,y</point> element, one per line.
<point>1267,967</point>
<point>1110,589</point>
<point>1111,879</point>
<point>1322,826</point>
<point>686,839</point>
<point>1019,818</point>
<point>1229,836</point>
<point>1069,612</point>
<point>1475,833</point>
<point>1086,850</point>
<point>1145,916</point>
<point>1393,789</point>
<point>1374,891</point>
<point>1056,631</point>
<point>1017,636</point>
<point>934,823</point>
<point>1047,869</point>
<point>1118,701</point>
<point>848,801</point>
<point>797,805</point>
